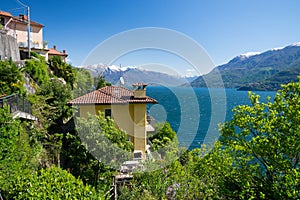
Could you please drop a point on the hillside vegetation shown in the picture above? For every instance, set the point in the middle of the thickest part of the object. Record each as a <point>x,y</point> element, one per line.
<point>46,159</point>
<point>36,154</point>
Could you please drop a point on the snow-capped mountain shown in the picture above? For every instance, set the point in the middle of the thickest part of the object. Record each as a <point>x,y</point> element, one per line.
<point>244,56</point>
<point>249,54</point>
<point>132,74</point>
<point>276,66</point>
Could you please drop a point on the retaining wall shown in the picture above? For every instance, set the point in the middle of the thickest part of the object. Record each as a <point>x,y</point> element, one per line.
<point>8,47</point>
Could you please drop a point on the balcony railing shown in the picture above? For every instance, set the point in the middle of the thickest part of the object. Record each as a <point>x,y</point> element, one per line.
<point>16,103</point>
<point>34,45</point>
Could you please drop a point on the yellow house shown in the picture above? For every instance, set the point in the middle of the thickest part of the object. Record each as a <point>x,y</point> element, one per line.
<point>126,107</point>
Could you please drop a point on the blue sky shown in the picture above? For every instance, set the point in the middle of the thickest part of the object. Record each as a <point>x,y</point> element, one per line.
<point>224,28</point>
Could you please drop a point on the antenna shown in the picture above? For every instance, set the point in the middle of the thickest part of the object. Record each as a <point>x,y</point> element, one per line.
<point>122,81</point>
<point>121,78</point>
<point>28,24</point>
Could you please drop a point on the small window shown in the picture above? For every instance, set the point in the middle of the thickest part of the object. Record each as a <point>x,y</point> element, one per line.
<point>107,113</point>
<point>2,21</point>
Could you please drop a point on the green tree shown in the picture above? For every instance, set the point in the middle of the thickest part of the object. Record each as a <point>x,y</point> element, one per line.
<point>62,70</point>
<point>164,174</point>
<point>100,82</point>
<point>84,82</point>
<point>53,96</point>
<point>264,140</point>
<point>202,173</point>
<point>209,173</point>
<point>18,152</point>
<point>257,157</point>
<point>81,163</point>
<point>12,79</point>
<point>53,183</point>
<point>95,150</point>
<point>104,140</point>
<point>49,105</point>
<point>37,69</point>
<point>164,136</point>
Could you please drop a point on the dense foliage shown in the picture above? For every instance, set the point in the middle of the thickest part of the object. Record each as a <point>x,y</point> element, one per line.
<point>84,82</point>
<point>163,136</point>
<point>28,147</point>
<point>264,139</point>
<point>100,82</point>
<point>37,68</point>
<point>58,94</point>
<point>53,183</point>
<point>12,79</point>
<point>256,158</point>
<point>23,152</point>
<point>19,152</point>
<point>103,140</point>
<point>62,70</point>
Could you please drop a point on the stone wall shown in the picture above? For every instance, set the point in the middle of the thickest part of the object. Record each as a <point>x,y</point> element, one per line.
<point>8,47</point>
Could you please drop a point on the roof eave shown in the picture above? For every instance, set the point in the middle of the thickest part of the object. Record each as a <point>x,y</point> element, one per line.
<point>97,103</point>
<point>69,103</point>
<point>32,23</point>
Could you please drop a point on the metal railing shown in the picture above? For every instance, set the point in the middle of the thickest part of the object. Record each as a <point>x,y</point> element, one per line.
<point>16,103</point>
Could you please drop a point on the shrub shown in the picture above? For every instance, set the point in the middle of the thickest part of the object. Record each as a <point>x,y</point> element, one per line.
<point>53,183</point>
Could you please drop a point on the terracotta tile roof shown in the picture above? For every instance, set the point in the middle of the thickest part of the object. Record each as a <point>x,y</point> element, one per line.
<point>20,19</point>
<point>3,13</point>
<point>56,52</point>
<point>110,95</point>
<point>36,24</point>
<point>24,21</point>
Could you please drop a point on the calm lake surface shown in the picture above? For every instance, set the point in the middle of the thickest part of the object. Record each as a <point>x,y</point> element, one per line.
<point>195,113</point>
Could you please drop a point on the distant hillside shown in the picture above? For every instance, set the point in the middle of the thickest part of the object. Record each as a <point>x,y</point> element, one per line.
<point>132,75</point>
<point>258,71</point>
<point>274,82</point>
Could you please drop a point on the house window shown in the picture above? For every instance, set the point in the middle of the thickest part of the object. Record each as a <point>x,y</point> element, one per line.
<point>107,113</point>
<point>2,21</point>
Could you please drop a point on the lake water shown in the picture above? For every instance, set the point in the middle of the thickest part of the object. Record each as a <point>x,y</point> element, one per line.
<point>195,113</point>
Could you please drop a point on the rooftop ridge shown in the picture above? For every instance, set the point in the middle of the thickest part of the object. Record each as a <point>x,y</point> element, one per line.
<point>115,87</point>
<point>110,94</point>
<point>107,95</point>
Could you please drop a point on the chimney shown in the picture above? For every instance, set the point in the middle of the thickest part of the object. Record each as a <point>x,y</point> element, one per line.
<point>54,47</point>
<point>23,17</point>
<point>64,51</point>
<point>139,90</point>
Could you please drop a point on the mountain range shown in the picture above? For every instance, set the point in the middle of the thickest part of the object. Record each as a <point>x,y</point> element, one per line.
<point>132,75</point>
<point>250,71</point>
<point>257,71</point>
